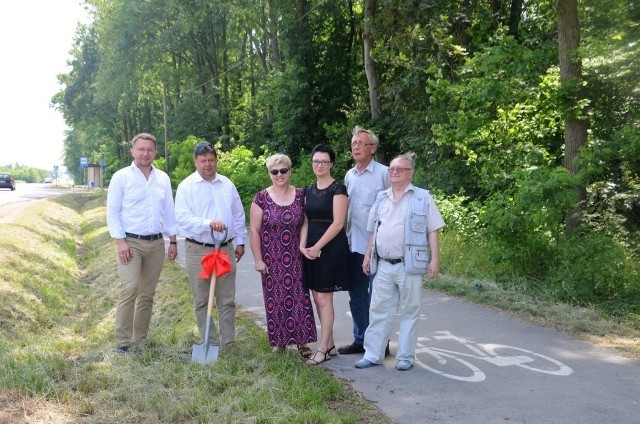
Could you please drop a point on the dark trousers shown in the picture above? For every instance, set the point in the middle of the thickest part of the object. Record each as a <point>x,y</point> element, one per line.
<point>359,296</point>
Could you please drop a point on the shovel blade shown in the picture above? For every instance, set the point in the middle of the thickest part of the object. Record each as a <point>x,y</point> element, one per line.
<point>204,353</point>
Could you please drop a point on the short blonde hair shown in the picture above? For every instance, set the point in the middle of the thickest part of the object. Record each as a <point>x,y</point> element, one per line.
<point>145,136</point>
<point>278,158</point>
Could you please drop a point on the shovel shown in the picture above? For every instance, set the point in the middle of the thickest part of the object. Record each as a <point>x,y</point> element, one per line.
<point>204,352</point>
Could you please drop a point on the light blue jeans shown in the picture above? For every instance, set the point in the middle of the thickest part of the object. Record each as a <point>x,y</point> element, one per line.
<point>393,291</point>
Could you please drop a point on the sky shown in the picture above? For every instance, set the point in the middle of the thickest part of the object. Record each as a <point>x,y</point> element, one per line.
<point>35,39</point>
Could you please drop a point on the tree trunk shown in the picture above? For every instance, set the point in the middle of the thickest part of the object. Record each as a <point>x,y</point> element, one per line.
<point>515,15</point>
<point>575,132</point>
<point>370,66</point>
<point>273,36</point>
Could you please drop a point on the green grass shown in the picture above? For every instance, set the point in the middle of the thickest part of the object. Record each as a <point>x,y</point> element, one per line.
<point>58,363</point>
<point>57,356</point>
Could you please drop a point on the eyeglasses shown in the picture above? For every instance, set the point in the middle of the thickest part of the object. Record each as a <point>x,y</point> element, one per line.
<point>281,170</point>
<point>360,144</point>
<point>398,170</point>
<point>141,150</point>
<point>320,162</point>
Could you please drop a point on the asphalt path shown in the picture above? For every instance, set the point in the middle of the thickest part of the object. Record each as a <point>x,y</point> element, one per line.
<point>475,365</point>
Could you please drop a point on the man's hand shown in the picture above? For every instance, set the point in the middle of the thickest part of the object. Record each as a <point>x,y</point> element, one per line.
<point>239,252</point>
<point>172,252</point>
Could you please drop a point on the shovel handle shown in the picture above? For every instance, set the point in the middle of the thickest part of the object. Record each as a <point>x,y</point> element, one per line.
<point>212,290</point>
<point>217,242</point>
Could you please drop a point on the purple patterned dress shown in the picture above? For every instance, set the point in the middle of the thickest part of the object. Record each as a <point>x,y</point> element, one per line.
<point>287,303</point>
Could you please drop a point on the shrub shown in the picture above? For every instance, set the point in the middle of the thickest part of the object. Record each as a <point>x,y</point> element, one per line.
<point>595,268</point>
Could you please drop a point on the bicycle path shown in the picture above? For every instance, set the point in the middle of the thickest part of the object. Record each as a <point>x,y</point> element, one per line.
<point>466,374</point>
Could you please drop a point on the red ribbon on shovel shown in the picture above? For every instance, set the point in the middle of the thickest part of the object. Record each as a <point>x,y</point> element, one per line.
<point>217,262</point>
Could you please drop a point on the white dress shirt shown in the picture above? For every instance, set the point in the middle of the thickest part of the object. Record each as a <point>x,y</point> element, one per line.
<point>198,202</point>
<point>138,205</point>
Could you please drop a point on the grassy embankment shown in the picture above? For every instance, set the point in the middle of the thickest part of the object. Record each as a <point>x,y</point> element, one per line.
<point>57,358</point>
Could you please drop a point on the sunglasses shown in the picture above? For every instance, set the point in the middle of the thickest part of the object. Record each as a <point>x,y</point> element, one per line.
<point>281,170</point>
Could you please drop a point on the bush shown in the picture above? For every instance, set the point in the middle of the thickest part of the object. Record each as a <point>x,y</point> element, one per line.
<point>593,268</point>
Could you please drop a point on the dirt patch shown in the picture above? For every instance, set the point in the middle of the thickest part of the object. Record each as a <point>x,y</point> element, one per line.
<point>15,409</point>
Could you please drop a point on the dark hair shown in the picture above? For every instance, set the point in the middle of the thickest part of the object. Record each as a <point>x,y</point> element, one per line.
<point>203,148</point>
<point>324,148</point>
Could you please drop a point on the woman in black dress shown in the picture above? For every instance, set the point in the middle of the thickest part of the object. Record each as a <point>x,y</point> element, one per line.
<point>324,246</point>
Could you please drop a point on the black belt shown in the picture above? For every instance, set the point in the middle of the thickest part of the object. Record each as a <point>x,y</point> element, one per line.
<point>392,261</point>
<point>139,237</point>
<point>208,244</point>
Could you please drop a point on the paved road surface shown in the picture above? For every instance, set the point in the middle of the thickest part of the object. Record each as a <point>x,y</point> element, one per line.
<point>12,202</point>
<point>478,366</point>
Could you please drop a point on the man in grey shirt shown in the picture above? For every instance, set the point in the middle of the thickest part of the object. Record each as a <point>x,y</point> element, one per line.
<point>363,182</point>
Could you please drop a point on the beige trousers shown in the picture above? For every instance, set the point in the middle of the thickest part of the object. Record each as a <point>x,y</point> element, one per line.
<point>137,288</point>
<point>225,294</point>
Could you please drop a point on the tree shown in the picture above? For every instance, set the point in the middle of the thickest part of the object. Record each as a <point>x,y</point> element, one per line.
<point>575,133</point>
<point>370,66</point>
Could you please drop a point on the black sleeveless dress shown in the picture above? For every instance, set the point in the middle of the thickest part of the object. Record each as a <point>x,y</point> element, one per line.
<point>329,272</point>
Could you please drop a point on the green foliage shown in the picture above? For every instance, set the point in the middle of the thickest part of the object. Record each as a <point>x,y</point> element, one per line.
<point>25,173</point>
<point>499,118</point>
<point>249,174</point>
<point>474,93</point>
<point>595,268</point>
<point>181,159</point>
<point>526,222</point>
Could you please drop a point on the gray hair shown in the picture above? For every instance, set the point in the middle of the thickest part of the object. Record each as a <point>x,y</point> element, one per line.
<point>278,158</point>
<point>372,137</point>
<point>409,157</point>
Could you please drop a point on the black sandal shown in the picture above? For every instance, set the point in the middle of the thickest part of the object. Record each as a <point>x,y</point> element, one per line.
<point>305,352</point>
<point>312,361</point>
<point>332,351</point>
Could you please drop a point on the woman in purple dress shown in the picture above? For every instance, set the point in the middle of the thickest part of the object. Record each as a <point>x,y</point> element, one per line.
<point>276,217</point>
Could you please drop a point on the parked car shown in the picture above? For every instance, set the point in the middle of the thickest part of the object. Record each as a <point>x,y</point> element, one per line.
<point>48,180</point>
<point>7,181</point>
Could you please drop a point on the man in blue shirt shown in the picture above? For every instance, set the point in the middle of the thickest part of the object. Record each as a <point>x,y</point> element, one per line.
<point>363,182</point>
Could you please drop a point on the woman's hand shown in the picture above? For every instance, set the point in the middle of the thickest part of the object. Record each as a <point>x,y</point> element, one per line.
<point>310,253</point>
<point>261,267</point>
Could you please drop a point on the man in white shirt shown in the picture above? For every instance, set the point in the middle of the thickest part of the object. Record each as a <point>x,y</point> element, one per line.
<point>207,201</point>
<point>403,247</point>
<point>139,210</point>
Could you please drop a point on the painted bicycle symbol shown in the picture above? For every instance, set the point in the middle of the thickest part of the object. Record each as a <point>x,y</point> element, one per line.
<point>452,365</point>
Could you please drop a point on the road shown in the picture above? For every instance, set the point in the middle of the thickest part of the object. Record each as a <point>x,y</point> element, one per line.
<point>11,202</point>
<point>475,365</point>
